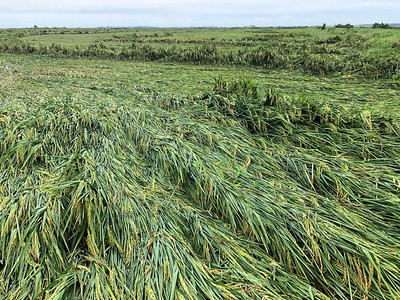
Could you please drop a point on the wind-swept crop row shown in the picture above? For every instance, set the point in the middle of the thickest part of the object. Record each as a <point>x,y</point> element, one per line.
<point>310,57</point>
<point>240,194</point>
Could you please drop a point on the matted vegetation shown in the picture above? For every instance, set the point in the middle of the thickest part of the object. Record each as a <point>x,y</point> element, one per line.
<point>240,195</point>
<point>117,182</point>
<point>366,52</point>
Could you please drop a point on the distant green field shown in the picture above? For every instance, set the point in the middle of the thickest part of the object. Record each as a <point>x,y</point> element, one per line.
<point>199,163</point>
<point>371,53</point>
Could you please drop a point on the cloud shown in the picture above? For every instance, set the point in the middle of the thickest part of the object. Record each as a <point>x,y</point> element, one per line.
<point>76,13</point>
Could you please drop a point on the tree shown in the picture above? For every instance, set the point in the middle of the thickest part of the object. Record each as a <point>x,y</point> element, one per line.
<point>382,25</point>
<point>347,26</point>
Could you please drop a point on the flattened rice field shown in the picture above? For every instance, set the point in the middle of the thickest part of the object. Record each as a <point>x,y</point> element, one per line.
<point>198,175</point>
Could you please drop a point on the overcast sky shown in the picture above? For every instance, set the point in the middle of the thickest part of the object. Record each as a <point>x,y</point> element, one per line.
<point>94,13</point>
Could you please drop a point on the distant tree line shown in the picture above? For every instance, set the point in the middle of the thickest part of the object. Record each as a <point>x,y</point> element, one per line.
<point>348,26</point>
<point>375,25</point>
<point>381,25</point>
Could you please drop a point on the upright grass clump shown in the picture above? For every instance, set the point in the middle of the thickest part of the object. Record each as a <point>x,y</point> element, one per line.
<point>240,194</point>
